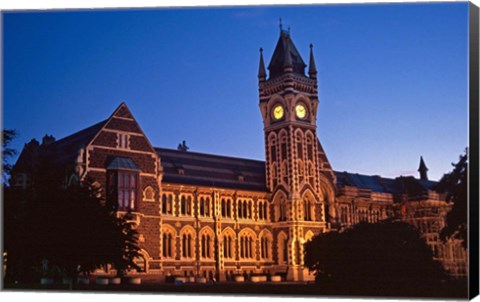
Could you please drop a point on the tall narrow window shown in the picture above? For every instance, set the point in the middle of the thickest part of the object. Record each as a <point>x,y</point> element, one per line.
<point>167,204</point>
<point>187,244</point>
<point>224,208</point>
<point>227,246</point>
<point>299,146</point>
<point>205,206</point>
<point>123,140</point>
<point>264,246</point>
<point>307,210</point>
<point>167,244</point>
<point>206,246</point>
<point>281,211</point>
<point>202,206</point>
<point>265,210</point>
<point>127,191</point>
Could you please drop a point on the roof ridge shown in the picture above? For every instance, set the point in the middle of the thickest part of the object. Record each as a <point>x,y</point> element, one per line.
<point>63,139</point>
<point>209,154</point>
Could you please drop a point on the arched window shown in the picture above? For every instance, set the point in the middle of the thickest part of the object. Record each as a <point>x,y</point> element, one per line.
<point>282,251</point>
<point>247,246</point>
<point>168,243</point>
<point>265,246</point>
<point>283,145</point>
<point>282,214</point>
<point>206,250</point>
<point>307,208</point>
<point>273,147</point>
<point>299,138</point>
<point>228,246</point>
<point>206,243</point>
<point>187,244</point>
<point>148,194</point>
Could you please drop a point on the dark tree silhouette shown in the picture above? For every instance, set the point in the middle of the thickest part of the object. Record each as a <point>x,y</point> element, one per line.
<point>7,153</point>
<point>388,258</point>
<point>68,230</point>
<point>456,186</point>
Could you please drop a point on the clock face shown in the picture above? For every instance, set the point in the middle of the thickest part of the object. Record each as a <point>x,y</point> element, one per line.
<point>278,112</point>
<point>301,111</point>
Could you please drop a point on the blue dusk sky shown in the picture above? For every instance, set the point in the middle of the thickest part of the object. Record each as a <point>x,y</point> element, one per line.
<point>393,78</point>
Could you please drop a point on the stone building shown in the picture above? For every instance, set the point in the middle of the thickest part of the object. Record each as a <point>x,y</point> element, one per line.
<point>210,215</point>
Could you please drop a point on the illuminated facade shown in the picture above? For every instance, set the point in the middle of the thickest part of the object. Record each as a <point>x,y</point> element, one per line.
<point>216,216</point>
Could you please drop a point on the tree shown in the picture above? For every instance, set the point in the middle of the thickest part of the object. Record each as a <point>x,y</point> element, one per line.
<point>68,229</point>
<point>7,153</point>
<point>382,258</point>
<point>455,184</point>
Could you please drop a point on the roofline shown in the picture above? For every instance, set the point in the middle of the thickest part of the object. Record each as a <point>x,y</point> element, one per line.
<point>75,133</point>
<point>211,155</point>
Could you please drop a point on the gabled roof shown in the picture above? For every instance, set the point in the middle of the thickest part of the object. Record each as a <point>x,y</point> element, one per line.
<point>400,185</point>
<point>61,153</point>
<point>285,54</point>
<point>64,151</point>
<point>191,168</point>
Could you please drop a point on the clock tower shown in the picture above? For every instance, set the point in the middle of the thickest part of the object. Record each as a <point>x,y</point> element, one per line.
<point>298,173</point>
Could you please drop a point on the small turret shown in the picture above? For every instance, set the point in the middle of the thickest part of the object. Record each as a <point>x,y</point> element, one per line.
<point>312,70</point>
<point>423,169</point>
<point>262,74</point>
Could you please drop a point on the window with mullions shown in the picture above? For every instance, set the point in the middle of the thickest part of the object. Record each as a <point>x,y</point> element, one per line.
<point>206,244</point>
<point>185,205</point>
<point>205,206</point>
<point>123,183</point>
<point>127,191</point>
<point>124,186</point>
<point>167,204</point>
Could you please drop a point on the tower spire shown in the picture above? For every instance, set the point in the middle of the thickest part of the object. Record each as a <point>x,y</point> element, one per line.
<point>286,57</point>
<point>423,169</point>
<point>312,69</point>
<point>262,74</point>
<point>287,62</point>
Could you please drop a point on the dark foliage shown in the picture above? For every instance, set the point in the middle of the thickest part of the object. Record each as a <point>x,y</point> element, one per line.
<point>373,259</point>
<point>7,153</point>
<point>455,184</point>
<point>64,231</point>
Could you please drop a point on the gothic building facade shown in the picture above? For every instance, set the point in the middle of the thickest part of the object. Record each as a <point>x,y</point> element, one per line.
<point>203,214</point>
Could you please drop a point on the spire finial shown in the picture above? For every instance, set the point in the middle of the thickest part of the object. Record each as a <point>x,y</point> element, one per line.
<point>262,74</point>
<point>312,69</point>
<point>423,169</point>
<point>281,26</point>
